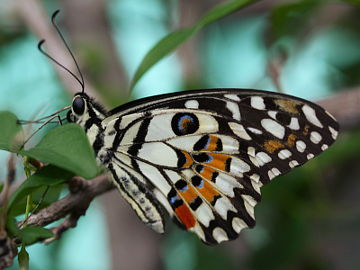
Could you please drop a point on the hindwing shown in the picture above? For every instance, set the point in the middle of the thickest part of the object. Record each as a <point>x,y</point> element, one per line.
<point>204,155</point>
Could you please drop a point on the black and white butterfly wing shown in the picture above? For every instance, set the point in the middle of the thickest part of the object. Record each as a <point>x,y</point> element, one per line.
<point>204,155</point>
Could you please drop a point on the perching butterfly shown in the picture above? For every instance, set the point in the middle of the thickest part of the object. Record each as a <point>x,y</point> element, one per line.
<point>201,155</point>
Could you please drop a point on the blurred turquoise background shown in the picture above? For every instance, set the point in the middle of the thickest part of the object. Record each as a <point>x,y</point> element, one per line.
<point>319,55</point>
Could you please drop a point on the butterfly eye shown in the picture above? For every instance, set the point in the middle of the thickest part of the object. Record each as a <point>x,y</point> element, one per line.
<point>78,105</point>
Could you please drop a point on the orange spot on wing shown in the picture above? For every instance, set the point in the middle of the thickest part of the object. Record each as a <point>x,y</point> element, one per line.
<point>218,161</point>
<point>189,160</point>
<point>208,191</point>
<point>213,143</point>
<point>185,216</point>
<point>287,105</point>
<point>188,195</point>
<point>306,130</point>
<point>272,145</point>
<point>291,140</point>
<point>207,173</point>
<point>185,123</point>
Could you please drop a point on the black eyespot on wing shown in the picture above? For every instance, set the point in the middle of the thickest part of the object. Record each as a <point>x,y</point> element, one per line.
<point>197,181</point>
<point>78,105</point>
<point>203,157</point>
<point>174,199</point>
<point>184,123</point>
<point>202,143</point>
<point>181,185</point>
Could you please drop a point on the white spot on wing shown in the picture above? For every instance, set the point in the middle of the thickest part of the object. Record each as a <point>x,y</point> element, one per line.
<point>294,124</point>
<point>192,104</point>
<point>153,175</point>
<point>158,153</point>
<point>273,127</point>
<point>255,177</point>
<point>204,214</point>
<point>334,133</point>
<point>263,158</point>
<point>238,166</point>
<point>238,224</point>
<point>255,130</point>
<point>249,208</point>
<point>324,147</point>
<point>256,186</point>
<point>272,114</point>
<point>220,235</point>
<point>300,146</point>
<point>293,163</point>
<point>130,134</point>
<point>226,184</point>
<point>251,151</point>
<point>257,103</point>
<point>329,114</point>
<point>239,130</point>
<point>222,206</point>
<point>232,97</point>
<point>199,231</point>
<point>284,154</point>
<point>254,161</point>
<point>315,137</point>
<point>250,200</point>
<point>310,115</point>
<point>273,173</point>
<point>234,109</point>
<point>310,156</point>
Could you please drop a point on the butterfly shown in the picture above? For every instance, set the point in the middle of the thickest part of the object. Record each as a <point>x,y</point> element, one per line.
<point>202,156</point>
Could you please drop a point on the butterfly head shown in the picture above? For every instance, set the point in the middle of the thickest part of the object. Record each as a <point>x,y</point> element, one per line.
<point>83,109</point>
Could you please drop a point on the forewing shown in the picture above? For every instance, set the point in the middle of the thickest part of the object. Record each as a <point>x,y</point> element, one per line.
<point>206,154</point>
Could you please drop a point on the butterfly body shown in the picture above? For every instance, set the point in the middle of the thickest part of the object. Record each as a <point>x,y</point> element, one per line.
<point>203,155</point>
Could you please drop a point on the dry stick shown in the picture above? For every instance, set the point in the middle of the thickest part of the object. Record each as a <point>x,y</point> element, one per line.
<point>6,192</point>
<point>75,204</point>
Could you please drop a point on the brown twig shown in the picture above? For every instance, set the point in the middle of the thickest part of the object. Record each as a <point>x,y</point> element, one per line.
<point>74,204</point>
<point>6,192</point>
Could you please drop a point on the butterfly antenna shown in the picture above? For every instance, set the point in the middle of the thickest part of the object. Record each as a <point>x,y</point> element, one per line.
<point>40,44</point>
<point>53,17</point>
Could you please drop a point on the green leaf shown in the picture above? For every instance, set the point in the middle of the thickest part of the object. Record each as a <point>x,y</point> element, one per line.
<point>1,187</point>
<point>66,147</point>
<point>354,2</point>
<point>11,226</point>
<point>170,42</point>
<point>40,199</point>
<point>47,176</point>
<point>289,19</point>
<point>30,235</point>
<point>23,259</point>
<point>9,130</point>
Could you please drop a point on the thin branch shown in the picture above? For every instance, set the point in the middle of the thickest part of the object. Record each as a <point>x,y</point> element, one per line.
<point>75,204</point>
